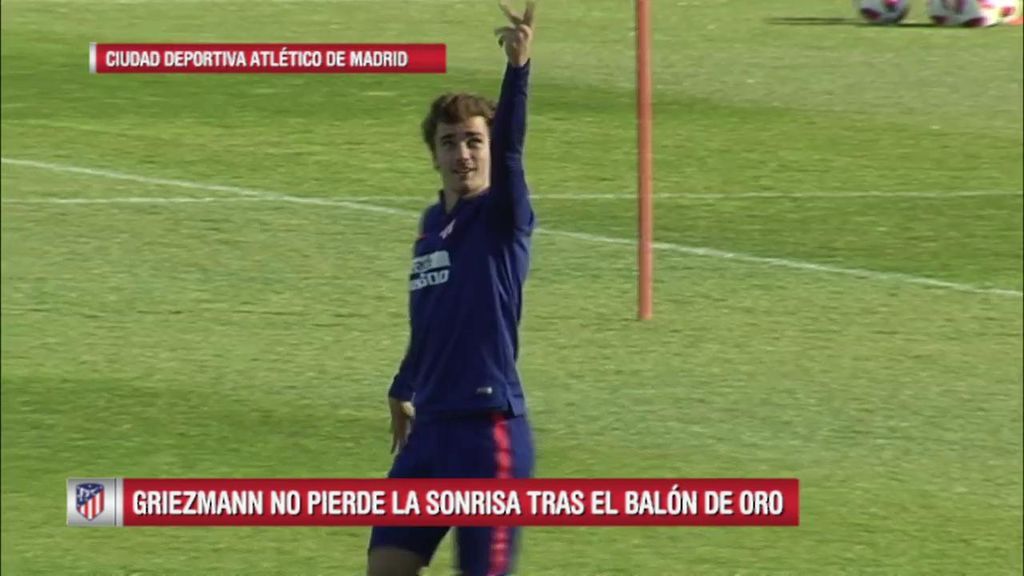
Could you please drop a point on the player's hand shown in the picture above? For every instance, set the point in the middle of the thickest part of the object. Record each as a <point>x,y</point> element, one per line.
<point>517,38</point>
<point>402,415</point>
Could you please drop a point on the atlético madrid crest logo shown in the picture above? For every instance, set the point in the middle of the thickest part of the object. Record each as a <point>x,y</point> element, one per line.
<point>89,500</point>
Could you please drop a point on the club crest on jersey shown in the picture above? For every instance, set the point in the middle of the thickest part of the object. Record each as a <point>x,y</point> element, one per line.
<point>447,230</point>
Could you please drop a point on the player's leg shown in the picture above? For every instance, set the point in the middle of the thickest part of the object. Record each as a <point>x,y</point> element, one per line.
<point>386,561</point>
<point>486,551</point>
<point>502,448</point>
<point>404,550</point>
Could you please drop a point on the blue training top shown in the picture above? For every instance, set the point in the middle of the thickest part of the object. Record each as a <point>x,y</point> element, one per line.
<point>466,284</point>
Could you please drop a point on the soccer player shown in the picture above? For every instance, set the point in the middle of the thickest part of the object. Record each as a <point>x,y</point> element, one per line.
<point>458,380</point>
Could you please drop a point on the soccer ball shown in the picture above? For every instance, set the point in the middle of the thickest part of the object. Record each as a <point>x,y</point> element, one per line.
<point>1010,11</point>
<point>966,13</point>
<point>941,12</point>
<point>882,11</point>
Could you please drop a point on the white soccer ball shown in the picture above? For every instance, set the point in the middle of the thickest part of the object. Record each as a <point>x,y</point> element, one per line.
<point>940,12</point>
<point>1009,11</point>
<point>882,11</point>
<point>966,13</point>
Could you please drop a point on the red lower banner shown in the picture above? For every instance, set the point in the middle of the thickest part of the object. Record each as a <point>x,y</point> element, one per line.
<point>434,502</point>
<point>267,58</point>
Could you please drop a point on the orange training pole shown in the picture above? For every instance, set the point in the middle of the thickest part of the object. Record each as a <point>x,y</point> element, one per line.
<point>645,168</point>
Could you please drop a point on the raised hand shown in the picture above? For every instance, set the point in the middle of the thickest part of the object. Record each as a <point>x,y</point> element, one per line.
<point>518,37</point>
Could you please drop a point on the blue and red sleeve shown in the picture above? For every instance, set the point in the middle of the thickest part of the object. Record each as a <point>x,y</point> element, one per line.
<point>511,198</point>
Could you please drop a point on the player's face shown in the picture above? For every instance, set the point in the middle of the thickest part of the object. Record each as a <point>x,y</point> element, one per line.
<point>462,154</point>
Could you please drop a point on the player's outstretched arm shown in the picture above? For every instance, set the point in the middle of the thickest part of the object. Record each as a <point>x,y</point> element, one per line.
<point>508,134</point>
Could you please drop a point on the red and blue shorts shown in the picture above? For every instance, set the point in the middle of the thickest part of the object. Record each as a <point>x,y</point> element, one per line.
<point>478,446</point>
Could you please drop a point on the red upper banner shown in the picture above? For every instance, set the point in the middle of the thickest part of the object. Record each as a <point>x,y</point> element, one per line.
<point>459,502</point>
<point>267,58</point>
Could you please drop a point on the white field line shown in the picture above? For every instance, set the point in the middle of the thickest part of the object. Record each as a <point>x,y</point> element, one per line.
<point>538,196</point>
<point>134,200</point>
<point>712,196</point>
<point>405,199</point>
<point>167,200</point>
<point>663,246</point>
<point>237,190</point>
<point>771,195</point>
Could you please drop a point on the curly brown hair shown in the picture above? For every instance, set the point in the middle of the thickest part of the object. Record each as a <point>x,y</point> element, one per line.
<point>452,108</point>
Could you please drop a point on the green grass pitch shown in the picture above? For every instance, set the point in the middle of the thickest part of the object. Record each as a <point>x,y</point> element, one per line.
<point>838,284</point>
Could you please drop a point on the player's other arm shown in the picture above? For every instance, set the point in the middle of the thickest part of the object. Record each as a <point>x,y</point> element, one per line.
<point>400,405</point>
<point>403,388</point>
<point>401,385</point>
<point>508,133</point>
